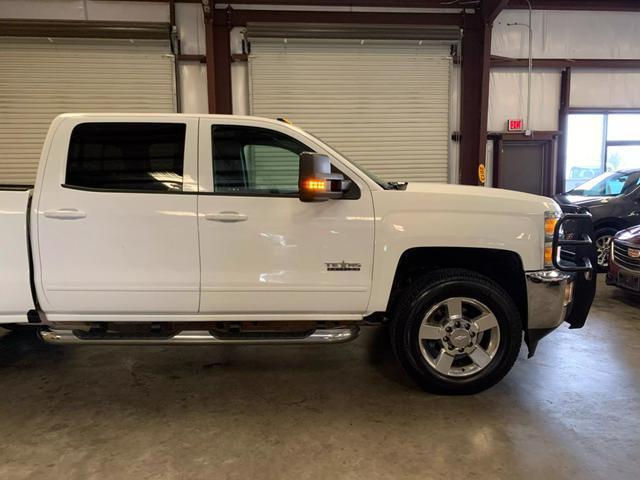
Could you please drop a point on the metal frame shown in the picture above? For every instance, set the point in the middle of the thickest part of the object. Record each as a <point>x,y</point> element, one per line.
<point>563,126</point>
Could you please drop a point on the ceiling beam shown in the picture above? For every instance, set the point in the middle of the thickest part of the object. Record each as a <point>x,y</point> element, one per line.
<point>490,9</point>
<point>231,17</point>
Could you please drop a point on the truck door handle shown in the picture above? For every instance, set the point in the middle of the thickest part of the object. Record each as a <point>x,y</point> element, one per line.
<point>65,214</point>
<point>227,217</point>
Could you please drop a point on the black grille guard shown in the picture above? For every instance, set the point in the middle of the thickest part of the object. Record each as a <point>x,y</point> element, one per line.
<point>573,239</point>
<point>573,236</point>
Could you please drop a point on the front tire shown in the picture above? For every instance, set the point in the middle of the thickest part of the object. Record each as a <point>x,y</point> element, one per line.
<point>604,241</point>
<point>456,332</point>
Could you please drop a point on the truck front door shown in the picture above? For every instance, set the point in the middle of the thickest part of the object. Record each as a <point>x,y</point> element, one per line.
<point>265,252</point>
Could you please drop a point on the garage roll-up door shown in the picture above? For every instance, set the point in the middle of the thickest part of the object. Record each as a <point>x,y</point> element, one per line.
<point>384,104</point>
<point>40,79</point>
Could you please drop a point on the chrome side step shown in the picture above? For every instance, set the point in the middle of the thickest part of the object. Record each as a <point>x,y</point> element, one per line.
<point>317,337</point>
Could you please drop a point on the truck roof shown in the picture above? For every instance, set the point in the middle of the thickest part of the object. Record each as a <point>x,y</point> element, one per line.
<point>167,115</point>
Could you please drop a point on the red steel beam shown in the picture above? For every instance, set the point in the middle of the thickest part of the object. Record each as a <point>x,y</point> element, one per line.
<point>476,48</point>
<point>239,18</point>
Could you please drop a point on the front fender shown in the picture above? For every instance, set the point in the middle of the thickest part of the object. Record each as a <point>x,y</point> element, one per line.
<point>456,218</point>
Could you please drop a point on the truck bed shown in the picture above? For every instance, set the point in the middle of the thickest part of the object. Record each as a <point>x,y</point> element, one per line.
<point>15,287</point>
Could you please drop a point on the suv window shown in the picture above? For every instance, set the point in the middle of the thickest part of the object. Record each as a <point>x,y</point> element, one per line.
<point>254,160</point>
<point>608,184</point>
<point>127,156</point>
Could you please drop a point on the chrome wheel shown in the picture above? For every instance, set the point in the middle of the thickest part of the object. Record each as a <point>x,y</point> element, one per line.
<point>459,337</point>
<point>603,247</point>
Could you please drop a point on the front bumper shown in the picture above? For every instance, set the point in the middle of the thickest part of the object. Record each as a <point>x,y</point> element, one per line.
<point>554,297</point>
<point>549,295</point>
<point>614,274</point>
<point>566,292</point>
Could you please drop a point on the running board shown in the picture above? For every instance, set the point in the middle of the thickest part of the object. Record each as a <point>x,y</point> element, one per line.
<point>317,337</point>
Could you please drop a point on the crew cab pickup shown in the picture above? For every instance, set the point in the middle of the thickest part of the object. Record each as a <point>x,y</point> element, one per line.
<point>213,229</point>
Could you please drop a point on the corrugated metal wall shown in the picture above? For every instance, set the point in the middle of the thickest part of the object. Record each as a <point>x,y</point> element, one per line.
<point>384,104</point>
<point>40,79</point>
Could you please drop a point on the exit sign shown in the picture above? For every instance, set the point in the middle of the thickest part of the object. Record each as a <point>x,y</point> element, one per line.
<point>515,125</point>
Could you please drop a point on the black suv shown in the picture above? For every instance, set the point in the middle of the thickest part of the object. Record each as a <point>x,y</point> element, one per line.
<point>613,199</point>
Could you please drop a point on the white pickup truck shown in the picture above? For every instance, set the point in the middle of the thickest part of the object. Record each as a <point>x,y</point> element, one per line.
<point>212,229</point>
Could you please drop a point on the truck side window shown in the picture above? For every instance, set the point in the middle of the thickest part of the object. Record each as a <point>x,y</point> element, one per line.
<point>127,156</point>
<point>254,160</point>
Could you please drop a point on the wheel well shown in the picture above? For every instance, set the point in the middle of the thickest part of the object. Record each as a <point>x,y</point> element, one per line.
<point>501,266</point>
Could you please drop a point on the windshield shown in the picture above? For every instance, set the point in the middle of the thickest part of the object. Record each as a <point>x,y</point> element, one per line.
<point>609,184</point>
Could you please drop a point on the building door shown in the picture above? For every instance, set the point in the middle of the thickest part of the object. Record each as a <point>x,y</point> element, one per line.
<point>524,166</point>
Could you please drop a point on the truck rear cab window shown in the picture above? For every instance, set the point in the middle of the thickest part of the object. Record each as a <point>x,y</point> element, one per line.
<point>145,157</point>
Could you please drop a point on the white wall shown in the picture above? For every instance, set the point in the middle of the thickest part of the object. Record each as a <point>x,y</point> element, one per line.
<point>189,20</point>
<point>563,34</point>
<point>568,34</point>
<point>508,98</point>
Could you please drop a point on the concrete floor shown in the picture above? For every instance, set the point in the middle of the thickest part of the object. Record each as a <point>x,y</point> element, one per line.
<point>573,411</point>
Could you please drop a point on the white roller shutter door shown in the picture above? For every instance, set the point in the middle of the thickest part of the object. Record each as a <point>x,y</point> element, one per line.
<point>384,104</point>
<point>40,79</point>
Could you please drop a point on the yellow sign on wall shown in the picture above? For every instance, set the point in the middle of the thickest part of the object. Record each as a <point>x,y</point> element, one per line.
<point>482,173</point>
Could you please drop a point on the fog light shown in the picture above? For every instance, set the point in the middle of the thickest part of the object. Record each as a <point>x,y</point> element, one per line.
<point>568,294</point>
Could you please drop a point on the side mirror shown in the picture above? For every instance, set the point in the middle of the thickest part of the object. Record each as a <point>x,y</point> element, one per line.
<point>316,183</point>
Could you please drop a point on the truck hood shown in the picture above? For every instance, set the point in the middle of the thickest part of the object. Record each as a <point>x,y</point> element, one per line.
<point>630,236</point>
<point>581,201</point>
<point>480,198</point>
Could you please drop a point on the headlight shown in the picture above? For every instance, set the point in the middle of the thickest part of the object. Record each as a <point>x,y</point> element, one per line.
<point>550,221</point>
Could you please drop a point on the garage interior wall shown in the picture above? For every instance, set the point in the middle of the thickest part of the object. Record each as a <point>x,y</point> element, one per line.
<point>563,34</point>
<point>557,34</point>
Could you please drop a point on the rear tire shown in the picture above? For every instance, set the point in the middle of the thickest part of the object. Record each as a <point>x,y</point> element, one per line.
<point>456,332</point>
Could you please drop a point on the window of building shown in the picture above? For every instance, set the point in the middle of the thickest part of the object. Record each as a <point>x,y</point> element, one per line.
<point>601,142</point>
<point>127,156</point>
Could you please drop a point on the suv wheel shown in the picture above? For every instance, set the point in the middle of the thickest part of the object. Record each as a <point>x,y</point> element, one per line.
<point>604,241</point>
<point>456,332</point>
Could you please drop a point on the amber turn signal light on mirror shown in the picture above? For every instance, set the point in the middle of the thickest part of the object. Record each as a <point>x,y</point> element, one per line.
<point>314,184</point>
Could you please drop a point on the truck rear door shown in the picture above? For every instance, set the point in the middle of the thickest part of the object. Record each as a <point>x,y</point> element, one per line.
<point>116,217</point>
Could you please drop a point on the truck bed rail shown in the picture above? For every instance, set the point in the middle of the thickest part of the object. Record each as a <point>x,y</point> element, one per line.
<point>15,187</point>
